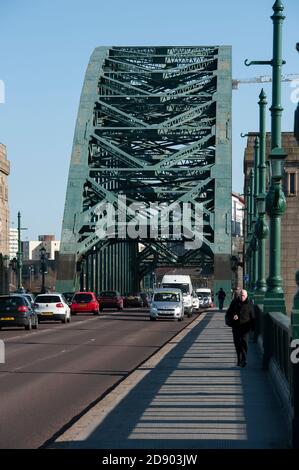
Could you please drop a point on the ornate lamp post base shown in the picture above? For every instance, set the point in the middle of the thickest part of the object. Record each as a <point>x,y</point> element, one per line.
<point>259,297</point>
<point>274,302</point>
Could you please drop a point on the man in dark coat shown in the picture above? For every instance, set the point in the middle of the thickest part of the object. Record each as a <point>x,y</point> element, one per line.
<point>241,312</point>
<point>221,296</point>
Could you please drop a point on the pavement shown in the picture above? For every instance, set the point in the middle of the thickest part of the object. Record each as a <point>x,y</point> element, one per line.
<point>189,395</point>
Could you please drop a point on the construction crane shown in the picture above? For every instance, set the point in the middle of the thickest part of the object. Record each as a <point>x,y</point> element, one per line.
<point>263,79</point>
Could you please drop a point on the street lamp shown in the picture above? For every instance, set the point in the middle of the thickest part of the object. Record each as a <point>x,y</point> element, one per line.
<point>31,270</point>
<point>43,264</point>
<point>261,204</point>
<point>83,273</point>
<point>5,263</point>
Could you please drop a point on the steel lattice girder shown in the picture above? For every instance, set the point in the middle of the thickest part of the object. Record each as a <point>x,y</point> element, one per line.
<point>153,126</point>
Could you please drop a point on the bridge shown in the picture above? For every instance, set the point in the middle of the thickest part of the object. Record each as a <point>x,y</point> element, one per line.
<point>149,187</point>
<point>154,131</point>
<point>150,174</point>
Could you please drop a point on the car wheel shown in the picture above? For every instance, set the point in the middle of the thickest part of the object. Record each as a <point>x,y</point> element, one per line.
<point>73,313</point>
<point>29,326</point>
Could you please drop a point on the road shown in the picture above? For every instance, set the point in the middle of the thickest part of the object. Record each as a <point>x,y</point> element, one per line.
<point>52,375</point>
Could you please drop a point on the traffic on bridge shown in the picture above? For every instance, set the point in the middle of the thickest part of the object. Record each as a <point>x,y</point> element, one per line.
<point>166,317</point>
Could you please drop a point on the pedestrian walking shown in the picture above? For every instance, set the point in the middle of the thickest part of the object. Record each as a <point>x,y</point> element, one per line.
<point>240,316</point>
<point>221,296</point>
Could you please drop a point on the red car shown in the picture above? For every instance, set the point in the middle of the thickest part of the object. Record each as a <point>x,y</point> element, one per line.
<point>85,302</point>
<point>111,299</point>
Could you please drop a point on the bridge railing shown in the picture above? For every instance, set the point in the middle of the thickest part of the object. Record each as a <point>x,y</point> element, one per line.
<point>275,333</point>
<point>280,342</point>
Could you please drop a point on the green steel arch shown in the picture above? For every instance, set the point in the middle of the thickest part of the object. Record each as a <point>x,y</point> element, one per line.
<point>153,128</point>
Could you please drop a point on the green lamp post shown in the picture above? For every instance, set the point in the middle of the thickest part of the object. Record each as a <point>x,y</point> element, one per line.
<point>251,234</point>
<point>261,227</point>
<point>249,252</point>
<point>254,214</point>
<point>275,199</point>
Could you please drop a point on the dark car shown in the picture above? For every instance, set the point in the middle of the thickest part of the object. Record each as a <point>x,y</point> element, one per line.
<point>110,299</point>
<point>28,296</point>
<point>133,300</point>
<point>16,310</point>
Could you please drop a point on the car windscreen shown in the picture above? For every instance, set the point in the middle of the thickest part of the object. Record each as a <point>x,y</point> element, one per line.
<point>47,299</point>
<point>82,298</point>
<point>206,293</point>
<point>183,287</point>
<point>11,302</point>
<point>166,297</point>
<point>108,293</point>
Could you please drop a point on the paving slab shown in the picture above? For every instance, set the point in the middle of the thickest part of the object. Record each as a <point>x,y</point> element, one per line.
<point>189,395</point>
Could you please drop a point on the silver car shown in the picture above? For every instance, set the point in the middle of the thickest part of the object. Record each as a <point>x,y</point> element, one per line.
<point>167,303</point>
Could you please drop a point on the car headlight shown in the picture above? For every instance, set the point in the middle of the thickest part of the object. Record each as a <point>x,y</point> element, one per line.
<point>154,308</point>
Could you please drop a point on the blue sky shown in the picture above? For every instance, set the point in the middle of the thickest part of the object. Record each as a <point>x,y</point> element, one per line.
<point>45,48</point>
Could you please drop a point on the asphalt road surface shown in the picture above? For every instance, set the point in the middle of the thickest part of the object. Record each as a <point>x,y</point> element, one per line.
<point>50,376</point>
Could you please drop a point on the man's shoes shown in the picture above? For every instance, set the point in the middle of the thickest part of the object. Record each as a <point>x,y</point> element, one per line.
<point>239,363</point>
<point>243,363</point>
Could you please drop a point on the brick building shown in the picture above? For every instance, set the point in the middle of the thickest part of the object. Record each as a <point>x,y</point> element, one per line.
<point>4,209</point>
<point>290,219</point>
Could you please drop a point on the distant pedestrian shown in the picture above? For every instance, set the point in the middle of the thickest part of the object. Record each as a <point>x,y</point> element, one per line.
<point>221,296</point>
<point>240,316</point>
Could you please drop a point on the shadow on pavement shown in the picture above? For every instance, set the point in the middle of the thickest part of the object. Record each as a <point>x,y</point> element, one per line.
<point>195,398</point>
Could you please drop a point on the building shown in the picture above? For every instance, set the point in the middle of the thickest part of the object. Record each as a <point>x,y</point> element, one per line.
<point>31,249</point>
<point>4,209</point>
<point>237,214</point>
<point>13,242</point>
<point>290,219</point>
<point>32,277</point>
<point>237,240</point>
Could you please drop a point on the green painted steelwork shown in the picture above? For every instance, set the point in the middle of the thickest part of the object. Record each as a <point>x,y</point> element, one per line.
<point>261,228</point>
<point>255,213</point>
<point>294,332</point>
<point>275,199</point>
<point>153,127</point>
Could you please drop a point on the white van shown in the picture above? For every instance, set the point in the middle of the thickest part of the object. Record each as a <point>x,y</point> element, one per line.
<point>206,296</point>
<point>182,282</point>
